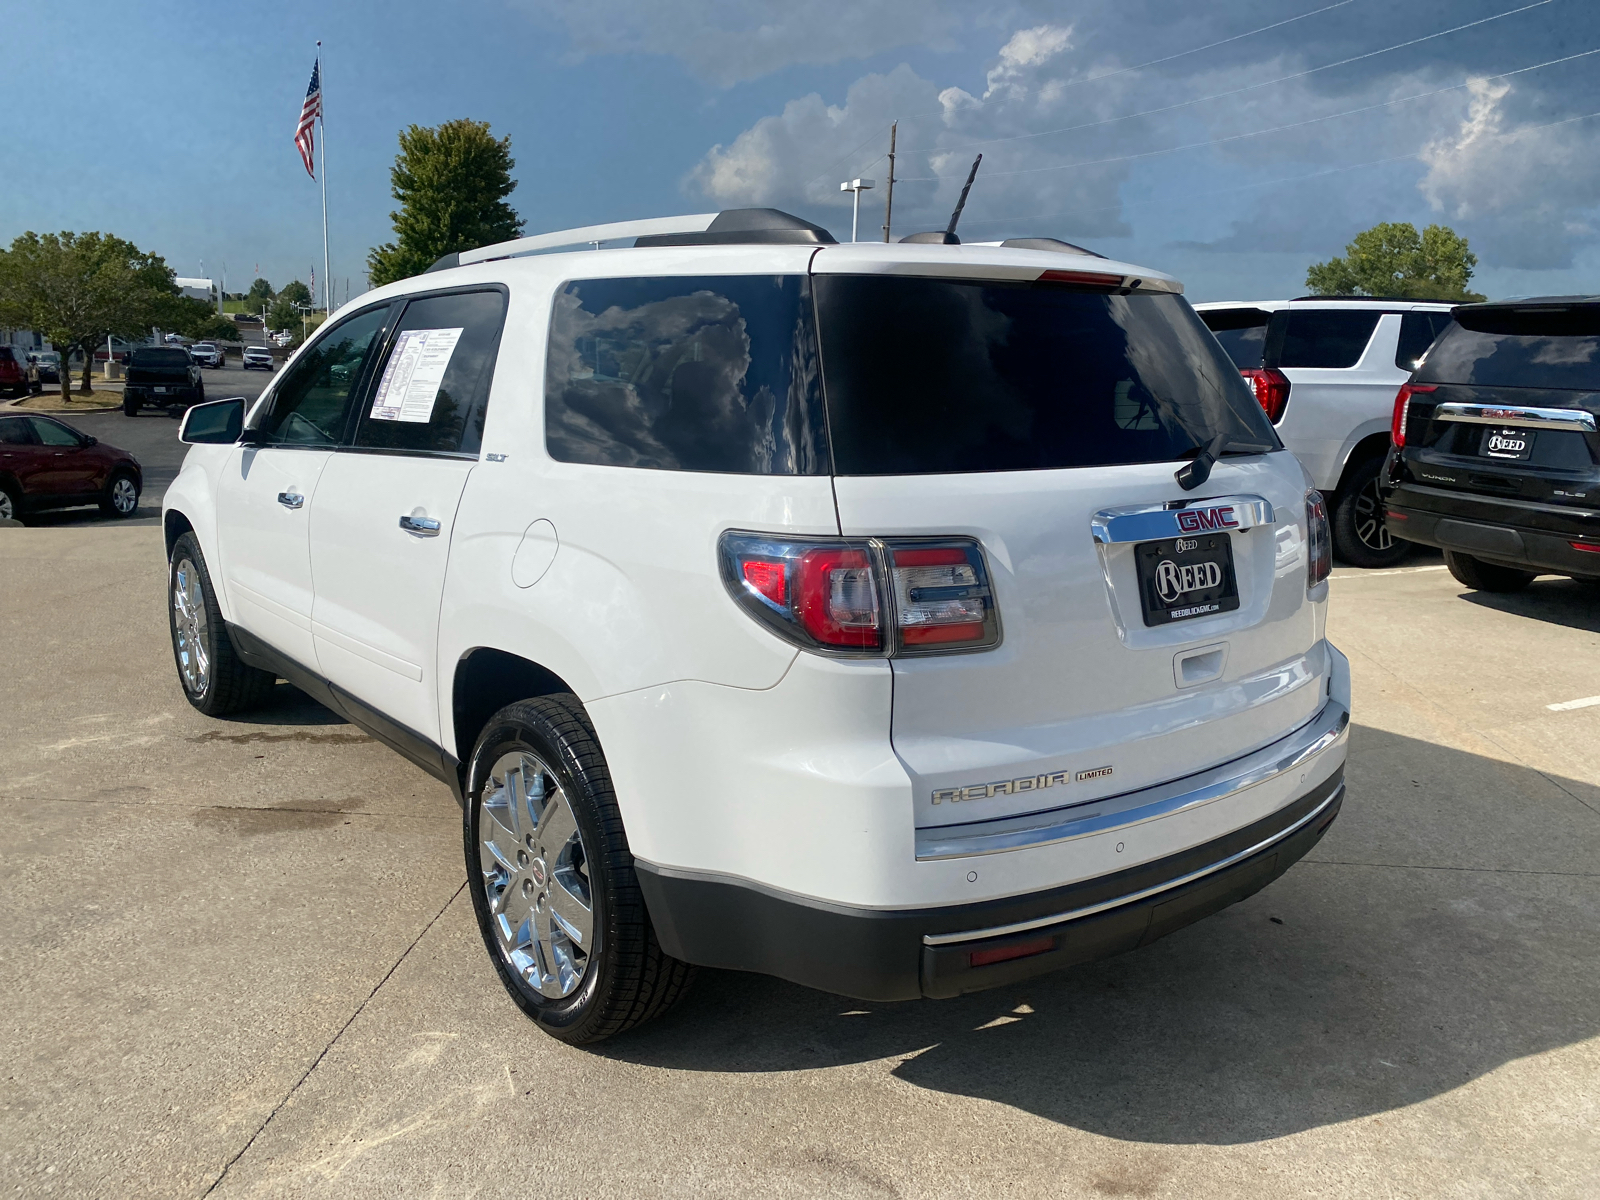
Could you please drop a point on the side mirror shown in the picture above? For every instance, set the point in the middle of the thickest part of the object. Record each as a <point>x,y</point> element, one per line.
<point>216,423</point>
<point>89,440</point>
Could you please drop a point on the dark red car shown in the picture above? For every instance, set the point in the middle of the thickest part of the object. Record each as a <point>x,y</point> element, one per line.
<point>13,375</point>
<point>45,463</point>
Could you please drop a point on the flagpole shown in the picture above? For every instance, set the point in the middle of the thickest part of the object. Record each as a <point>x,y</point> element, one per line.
<point>323,120</point>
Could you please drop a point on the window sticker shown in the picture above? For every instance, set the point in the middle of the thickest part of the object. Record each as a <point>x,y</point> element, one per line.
<point>411,380</point>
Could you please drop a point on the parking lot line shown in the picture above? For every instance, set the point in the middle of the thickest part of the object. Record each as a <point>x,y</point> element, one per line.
<point>1567,705</point>
<point>1381,574</point>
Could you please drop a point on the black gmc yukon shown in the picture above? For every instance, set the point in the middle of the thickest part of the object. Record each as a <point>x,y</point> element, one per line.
<point>163,376</point>
<point>1496,458</point>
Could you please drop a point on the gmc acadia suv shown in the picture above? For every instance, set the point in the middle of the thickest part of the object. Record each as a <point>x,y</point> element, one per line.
<point>901,620</point>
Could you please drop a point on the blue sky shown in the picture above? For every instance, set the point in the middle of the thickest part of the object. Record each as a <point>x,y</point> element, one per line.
<point>1118,124</point>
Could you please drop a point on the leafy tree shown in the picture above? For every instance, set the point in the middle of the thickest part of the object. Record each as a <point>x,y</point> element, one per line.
<point>295,292</point>
<point>452,183</point>
<point>78,289</point>
<point>1392,259</point>
<point>259,296</point>
<point>283,315</point>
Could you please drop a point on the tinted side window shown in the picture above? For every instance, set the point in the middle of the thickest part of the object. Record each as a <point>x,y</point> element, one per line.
<point>1319,337</point>
<point>312,400</point>
<point>15,431</point>
<point>1242,332</point>
<point>1417,332</point>
<point>432,392</point>
<point>687,374</point>
<point>52,433</point>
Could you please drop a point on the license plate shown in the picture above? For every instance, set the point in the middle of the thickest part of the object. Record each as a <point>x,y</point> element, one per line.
<point>1186,577</point>
<point>1506,443</point>
<point>161,391</point>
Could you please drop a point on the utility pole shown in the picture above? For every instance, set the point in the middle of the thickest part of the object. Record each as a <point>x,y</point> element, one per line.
<point>857,186</point>
<point>888,199</point>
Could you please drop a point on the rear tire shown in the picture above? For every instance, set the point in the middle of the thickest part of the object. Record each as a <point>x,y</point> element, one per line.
<point>130,406</point>
<point>1483,576</point>
<point>555,893</point>
<point>1360,535</point>
<point>214,679</point>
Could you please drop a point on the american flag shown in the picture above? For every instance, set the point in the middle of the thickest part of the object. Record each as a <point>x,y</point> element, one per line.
<point>304,138</point>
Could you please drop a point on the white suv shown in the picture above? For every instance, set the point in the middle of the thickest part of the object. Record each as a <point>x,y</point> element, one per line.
<point>901,620</point>
<point>1327,369</point>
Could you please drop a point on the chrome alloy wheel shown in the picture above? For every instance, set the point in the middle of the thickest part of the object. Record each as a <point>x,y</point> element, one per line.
<point>189,627</point>
<point>535,875</point>
<point>1369,523</point>
<point>8,510</point>
<point>124,496</point>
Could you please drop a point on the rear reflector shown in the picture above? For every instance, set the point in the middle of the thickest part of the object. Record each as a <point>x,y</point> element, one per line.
<point>984,958</point>
<point>1588,547</point>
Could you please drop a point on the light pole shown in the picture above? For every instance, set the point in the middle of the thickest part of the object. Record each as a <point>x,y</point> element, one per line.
<point>857,186</point>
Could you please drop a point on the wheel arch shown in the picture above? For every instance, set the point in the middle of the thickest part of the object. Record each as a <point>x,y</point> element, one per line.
<point>486,680</point>
<point>173,526</point>
<point>1372,446</point>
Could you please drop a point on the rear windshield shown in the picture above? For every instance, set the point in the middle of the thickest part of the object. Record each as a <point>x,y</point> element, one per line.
<point>160,358</point>
<point>1242,332</point>
<point>1319,337</point>
<point>927,376</point>
<point>1532,349</point>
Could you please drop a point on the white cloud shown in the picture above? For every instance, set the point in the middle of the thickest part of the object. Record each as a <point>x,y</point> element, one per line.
<point>730,41</point>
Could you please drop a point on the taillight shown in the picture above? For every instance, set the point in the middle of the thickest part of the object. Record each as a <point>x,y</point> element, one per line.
<point>871,596</point>
<point>1319,539</point>
<point>1402,401</point>
<point>1271,387</point>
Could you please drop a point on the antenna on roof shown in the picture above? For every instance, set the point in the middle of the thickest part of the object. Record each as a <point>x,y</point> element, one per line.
<point>950,231</point>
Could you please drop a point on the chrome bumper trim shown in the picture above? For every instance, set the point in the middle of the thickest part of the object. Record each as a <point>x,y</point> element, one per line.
<point>1152,522</point>
<point>1327,729</point>
<point>945,939</point>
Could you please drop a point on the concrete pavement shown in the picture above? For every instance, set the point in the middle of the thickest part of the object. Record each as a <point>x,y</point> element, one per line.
<point>239,961</point>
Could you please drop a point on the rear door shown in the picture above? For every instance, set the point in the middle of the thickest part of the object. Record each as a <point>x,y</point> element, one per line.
<point>1048,423</point>
<point>386,505</point>
<point>266,493</point>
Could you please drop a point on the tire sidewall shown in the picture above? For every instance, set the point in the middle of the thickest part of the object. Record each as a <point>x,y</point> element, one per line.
<point>564,1017</point>
<point>1347,543</point>
<point>187,546</point>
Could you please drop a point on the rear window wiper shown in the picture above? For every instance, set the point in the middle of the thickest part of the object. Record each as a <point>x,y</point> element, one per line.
<point>1191,475</point>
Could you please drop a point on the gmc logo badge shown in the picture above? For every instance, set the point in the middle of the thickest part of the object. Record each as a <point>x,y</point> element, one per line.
<point>1192,520</point>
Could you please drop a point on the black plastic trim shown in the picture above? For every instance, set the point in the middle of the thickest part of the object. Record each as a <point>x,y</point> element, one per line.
<point>1465,531</point>
<point>405,741</point>
<point>879,954</point>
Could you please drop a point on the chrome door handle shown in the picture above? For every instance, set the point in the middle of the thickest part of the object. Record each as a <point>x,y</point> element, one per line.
<point>291,499</point>
<point>425,526</point>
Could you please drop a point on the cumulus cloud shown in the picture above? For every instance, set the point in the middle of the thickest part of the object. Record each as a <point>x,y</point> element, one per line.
<point>797,158</point>
<point>730,41</point>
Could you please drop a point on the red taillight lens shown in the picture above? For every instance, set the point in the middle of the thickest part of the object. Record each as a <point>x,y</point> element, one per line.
<point>865,597</point>
<point>1402,401</point>
<point>1027,949</point>
<point>1319,539</point>
<point>1271,387</point>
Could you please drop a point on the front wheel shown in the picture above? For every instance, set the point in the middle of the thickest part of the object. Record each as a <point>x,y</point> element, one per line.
<point>1361,536</point>
<point>553,881</point>
<point>215,680</point>
<point>10,504</point>
<point>122,496</point>
<point>1484,576</point>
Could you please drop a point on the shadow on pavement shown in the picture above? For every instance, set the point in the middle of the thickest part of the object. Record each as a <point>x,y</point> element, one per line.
<point>1571,602</point>
<point>1340,991</point>
<point>287,705</point>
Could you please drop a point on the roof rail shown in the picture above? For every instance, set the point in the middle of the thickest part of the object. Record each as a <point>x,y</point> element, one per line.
<point>730,227</point>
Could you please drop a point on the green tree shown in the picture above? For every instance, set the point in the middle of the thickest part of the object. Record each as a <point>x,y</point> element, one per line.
<point>259,296</point>
<point>1393,259</point>
<point>295,292</point>
<point>452,183</point>
<point>78,289</point>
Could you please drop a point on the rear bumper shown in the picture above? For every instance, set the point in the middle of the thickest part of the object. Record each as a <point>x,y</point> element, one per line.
<point>898,954</point>
<point>1498,531</point>
<point>146,394</point>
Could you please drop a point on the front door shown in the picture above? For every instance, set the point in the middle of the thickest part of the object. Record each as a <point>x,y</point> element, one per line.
<point>267,493</point>
<point>380,535</point>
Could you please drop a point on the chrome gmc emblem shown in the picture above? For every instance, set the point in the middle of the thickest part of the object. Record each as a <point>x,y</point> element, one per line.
<point>1193,520</point>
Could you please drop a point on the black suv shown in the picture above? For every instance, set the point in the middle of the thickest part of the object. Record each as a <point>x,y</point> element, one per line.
<point>164,376</point>
<point>1496,458</point>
